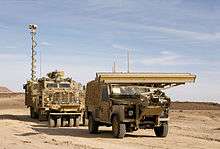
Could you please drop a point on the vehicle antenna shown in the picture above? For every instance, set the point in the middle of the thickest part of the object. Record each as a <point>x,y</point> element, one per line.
<point>128,60</point>
<point>114,67</point>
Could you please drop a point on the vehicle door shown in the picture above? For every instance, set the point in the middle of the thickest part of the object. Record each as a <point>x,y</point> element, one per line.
<point>105,104</point>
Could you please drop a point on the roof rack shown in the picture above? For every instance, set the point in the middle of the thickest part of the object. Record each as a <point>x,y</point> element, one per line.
<point>158,80</point>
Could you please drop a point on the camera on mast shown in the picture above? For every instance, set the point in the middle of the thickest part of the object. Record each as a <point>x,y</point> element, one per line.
<point>33,27</point>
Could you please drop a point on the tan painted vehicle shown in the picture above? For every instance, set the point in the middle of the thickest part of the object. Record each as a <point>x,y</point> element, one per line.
<point>131,101</point>
<point>56,99</point>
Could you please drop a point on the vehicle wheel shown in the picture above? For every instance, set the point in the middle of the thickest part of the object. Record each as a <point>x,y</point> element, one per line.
<point>161,131</point>
<point>41,117</point>
<point>32,113</point>
<point>93,126</point>
<point>118,129</point>
<point>58,122</point>
<point>71,122</point>
<point>76,122</point>
<point>85,121</point>
<point>51,122</point>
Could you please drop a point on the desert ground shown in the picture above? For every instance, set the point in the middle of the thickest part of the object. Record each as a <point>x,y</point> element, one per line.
<point>189,127</point>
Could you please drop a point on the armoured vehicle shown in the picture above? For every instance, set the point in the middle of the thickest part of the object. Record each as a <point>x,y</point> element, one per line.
<point>55,98</point>
<point>131,101</point>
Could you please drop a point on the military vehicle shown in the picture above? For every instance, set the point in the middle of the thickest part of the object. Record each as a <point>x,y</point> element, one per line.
<point>131,101</point>
<point>55,98</point>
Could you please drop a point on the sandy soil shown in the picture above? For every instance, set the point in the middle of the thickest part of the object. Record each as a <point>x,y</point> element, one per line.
<point>188,129</point>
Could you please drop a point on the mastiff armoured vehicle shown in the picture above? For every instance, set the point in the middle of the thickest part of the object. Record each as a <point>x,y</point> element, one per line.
<point>56,99</point>
<point>131,101</point>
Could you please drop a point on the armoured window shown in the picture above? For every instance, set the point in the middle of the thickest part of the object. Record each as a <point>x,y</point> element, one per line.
<point>64,85</point>
<point>52,85</point>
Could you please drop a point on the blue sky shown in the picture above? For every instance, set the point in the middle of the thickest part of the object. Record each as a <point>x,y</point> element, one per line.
<point>83,37</point>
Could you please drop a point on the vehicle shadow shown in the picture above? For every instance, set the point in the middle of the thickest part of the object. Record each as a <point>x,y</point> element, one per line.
<point>24,118</point>
<point>82,132</point>
<point>41,127</point>
<point>139,136</point>
<point>73,132</point>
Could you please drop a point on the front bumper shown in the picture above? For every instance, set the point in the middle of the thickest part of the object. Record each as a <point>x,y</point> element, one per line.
<point>148,117</point>
<point>59,114</point>
<point>163,119</point>
<point>64,107</point>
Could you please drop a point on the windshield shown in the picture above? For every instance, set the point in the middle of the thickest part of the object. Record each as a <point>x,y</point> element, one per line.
<point>55,85</point>
<point>64,85</point>
<point>52,85</point>
<point>128,90</point>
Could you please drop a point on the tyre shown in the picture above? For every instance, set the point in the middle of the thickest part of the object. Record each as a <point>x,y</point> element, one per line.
<point>32,113</point>
<point>51,122</point>
<point>118,129</point>
<point>41,117</point>
<point>85,121</point>
<point>71,122</point>
<point>92,126</point>
<point>58,124</point>
<point>76,122</point>
<point>161,131</point>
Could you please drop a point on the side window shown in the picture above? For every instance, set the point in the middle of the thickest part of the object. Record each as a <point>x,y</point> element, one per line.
<point>105,93</point>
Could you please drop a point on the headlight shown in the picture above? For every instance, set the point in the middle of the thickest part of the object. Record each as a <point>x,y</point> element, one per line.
<point>130,113</point>
<point>162,100</point>
<point>77,100</point>
<point>162,114</point>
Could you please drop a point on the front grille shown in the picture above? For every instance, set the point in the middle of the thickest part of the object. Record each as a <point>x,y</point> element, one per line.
<point>63,98</point>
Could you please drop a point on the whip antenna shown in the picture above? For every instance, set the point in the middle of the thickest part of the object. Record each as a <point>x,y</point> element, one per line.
<point>128,61</point>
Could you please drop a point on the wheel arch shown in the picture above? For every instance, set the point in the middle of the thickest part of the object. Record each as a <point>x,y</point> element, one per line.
<point>114,114</point>
<point>88,113</point>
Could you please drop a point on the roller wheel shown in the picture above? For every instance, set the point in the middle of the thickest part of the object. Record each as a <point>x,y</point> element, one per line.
<point>58,122</point>
<point>51,122</point>
<point>64,122</point>
<point>71,122</point>
<point>85,121</point>
<point>76,123</point>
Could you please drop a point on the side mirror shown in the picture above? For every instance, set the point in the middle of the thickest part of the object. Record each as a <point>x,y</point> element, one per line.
<point>24,86</point>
